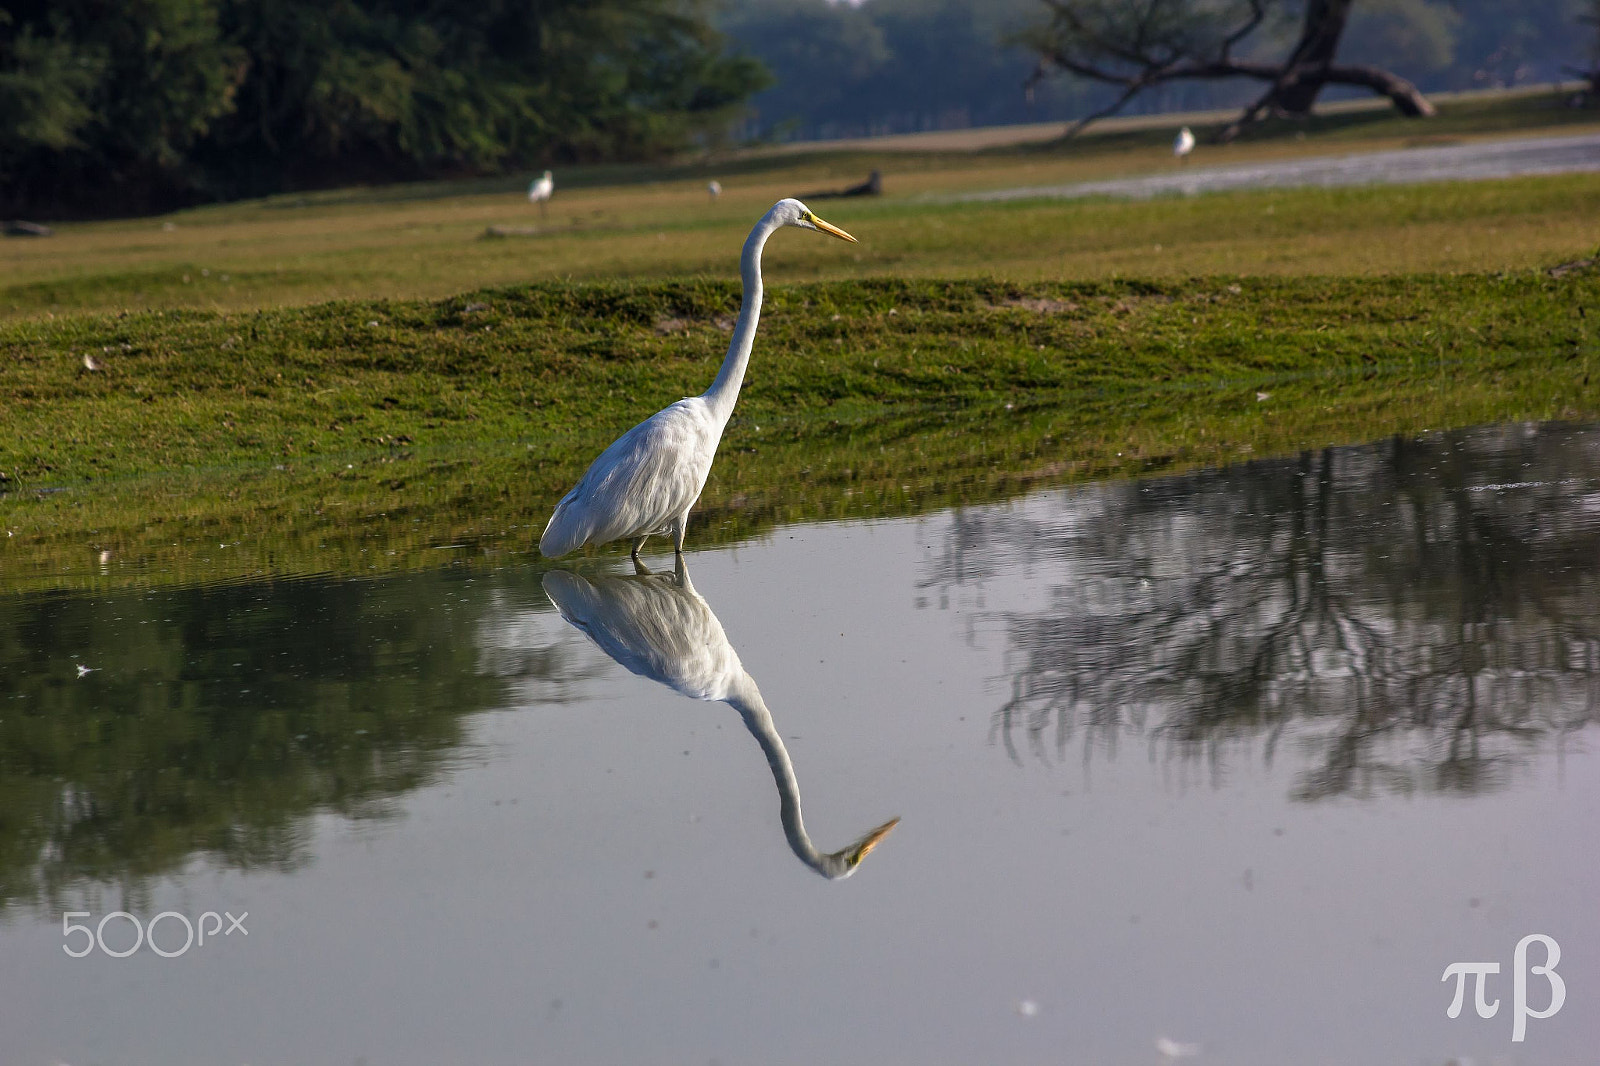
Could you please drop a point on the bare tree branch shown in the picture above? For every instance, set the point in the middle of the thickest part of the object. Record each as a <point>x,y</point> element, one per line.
<point>1135,46</point>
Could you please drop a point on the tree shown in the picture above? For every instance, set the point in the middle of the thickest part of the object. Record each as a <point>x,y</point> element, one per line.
<point>1591,19</point>
<point>891,66</point>
<point>400,87</point>
<point>1144,43</point>
<point>1401,627</point>
<point>110,108</point>
<point>117,93</point>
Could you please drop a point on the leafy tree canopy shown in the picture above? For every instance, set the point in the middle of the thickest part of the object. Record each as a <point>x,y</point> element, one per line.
<point>112,107</point>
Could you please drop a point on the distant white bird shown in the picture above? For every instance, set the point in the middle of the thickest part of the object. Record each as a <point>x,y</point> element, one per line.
<point>540,190</point>
<point>84,671</point>
<point>90,362</point>
<point>1183,144</point>
<point>713,189</point>
<point>650,478</point>
<point>659,627</point>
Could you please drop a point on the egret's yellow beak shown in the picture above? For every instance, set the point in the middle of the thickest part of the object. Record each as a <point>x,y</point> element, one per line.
<point>828,227</point>
<point>874,838</point>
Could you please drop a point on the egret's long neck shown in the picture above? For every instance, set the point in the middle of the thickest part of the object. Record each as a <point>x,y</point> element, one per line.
<point>724,392</point>
<point>746,699</point>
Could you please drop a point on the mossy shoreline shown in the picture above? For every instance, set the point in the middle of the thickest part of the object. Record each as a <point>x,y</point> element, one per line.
<point>360,437</point>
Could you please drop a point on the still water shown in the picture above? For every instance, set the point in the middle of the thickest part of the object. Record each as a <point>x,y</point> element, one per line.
<point>1225,767</point>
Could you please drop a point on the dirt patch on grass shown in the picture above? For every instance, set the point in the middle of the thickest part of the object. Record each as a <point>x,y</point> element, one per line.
<point>1040,305</point>
<point>1576,265</point>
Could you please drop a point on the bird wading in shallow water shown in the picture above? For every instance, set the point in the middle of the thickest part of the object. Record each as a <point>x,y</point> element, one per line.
<point>649,479</point>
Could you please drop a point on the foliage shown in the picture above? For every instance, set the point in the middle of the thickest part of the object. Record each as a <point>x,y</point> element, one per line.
<point>1591,71</point>
<point>154,101</point>
<point>95,97</point>
<point>1155,42</point>
<point>889,66</point>
<point>900,65</point>
<point>1264,605</point>
<point>218,721</point>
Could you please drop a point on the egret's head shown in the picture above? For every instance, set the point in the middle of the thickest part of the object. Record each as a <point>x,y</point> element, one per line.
<point>843,863</point>
<point>795,213</point>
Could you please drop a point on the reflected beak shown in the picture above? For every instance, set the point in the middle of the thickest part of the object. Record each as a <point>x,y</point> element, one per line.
<point>828,227</point>
<point>872,840</point>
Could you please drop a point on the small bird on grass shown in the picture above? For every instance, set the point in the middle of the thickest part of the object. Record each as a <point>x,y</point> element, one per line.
<point>540,190</point>
<point>1183,143</point>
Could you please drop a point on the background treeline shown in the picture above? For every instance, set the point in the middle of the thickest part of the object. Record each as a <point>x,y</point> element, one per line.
<point>895,66</point>
<point>121,106</point>
<point>110,106</point>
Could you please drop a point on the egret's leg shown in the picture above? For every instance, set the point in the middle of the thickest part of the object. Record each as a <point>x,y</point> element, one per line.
<point>641,570</point>
<point>678,529</point>
<point>638,542</point>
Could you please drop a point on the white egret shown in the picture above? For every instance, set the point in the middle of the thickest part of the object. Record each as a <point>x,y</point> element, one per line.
<point>649,479</point>
<point>713,189</point>
<point>540,190</point>
<point>1183,143</point>
<point>659,627</point>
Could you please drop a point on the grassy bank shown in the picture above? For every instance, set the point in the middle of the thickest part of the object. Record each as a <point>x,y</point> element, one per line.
<point>360,436</point>
<point>427,242</point>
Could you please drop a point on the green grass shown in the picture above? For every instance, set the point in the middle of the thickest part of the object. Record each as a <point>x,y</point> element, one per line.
<point>299,384</point>
<point>310,439</point>
<point>426,241</point>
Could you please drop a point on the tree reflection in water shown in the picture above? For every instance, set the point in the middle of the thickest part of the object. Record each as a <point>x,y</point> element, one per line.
<point>218,722</point>
<point>1416,615</point>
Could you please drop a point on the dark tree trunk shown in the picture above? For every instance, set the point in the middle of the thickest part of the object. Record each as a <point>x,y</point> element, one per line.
<point>1293,84</point>
<point>1319,41</point>
<point>1310,67</point>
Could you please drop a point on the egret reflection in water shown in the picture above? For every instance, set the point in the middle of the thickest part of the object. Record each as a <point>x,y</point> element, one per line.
<point>659,627</point>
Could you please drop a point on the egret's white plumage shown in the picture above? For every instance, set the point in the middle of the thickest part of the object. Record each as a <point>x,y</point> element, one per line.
<point>542,188</point>
<point>659,627</point>
<point>713,189</point>
<point>1183,143</point>
<point>649,479</point>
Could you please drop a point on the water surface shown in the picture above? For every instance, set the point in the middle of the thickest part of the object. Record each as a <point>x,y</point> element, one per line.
<point>1474,161</point>
<point>1234,762</point>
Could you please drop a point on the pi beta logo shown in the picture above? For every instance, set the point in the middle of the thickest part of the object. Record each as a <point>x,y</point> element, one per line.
<point>1521,971</point>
